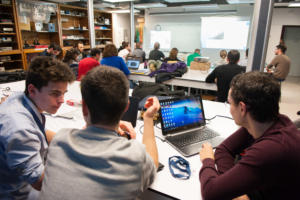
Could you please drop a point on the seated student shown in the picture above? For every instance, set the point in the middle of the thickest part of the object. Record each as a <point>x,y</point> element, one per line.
<point>223,74</point>
<point>139,53</point>
<point>281,62</point>
<point>71,59</point>
<point>156,54</point>
<point>80,47</point>
<point>191,57</point>
<point>172,57</point>
<point>89,63</point>
<point>53,50</point>
<point>125,51</point>
<point>122,46</point>
<point>96,163</point>
<point>267,145</point>
<point>23,138</point>
<point>223,61</point>
<point>111,58</point>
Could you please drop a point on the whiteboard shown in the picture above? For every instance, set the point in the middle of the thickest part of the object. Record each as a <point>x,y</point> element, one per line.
<point>185,37</point>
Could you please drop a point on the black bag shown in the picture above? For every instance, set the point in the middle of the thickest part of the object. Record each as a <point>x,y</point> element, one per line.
<point>6,77</point>
<point>145,89</point>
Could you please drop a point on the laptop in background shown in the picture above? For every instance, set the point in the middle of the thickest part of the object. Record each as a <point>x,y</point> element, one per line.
<point>131,114</point>
<point>133,66</point>
<point>184,127</point>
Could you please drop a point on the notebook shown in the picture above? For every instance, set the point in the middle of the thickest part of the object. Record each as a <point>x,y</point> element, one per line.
<point>131,114</point>
<point>183,125</point>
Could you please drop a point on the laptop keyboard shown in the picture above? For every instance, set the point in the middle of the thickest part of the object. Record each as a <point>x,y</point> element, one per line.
<point>193,137</point>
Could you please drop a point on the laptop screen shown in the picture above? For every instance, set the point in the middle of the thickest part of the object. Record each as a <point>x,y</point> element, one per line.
<point>133,64</point>
<point>181,114</point>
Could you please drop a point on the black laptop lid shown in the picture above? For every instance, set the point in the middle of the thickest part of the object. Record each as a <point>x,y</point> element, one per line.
<point>131,114</point>
<point>179,114</point>
<point>133,64</point>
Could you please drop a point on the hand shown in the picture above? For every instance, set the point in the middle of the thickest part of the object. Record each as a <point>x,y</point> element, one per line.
<point>152,105</point>
<point>243,197</point>
<point>126,127</point>
<point>3,99</point>
<point>206,152</point>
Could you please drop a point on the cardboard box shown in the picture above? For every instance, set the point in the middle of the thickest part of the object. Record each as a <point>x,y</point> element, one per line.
<point>200,66</point>
<point>24,23</point>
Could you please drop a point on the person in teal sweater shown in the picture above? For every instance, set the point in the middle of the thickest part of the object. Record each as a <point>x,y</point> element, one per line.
<point>191,57</point>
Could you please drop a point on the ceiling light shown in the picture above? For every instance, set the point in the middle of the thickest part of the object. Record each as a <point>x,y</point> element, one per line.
<point>104,5</point>
<point>118,1</point>
<point>185,1</point>
<point>239,1</point>
<point>122,11</point>
<point>150,5</point>
<point>294,4</point>
<point>218,12</point>
<point>201,6</point>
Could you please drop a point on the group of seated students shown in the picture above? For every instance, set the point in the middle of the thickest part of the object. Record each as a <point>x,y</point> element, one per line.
<point>261,160</point>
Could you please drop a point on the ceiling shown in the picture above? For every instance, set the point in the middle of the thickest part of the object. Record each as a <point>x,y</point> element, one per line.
<point>110,5</point>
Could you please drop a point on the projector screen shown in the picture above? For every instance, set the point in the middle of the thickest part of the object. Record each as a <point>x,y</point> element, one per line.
<point>224,33</point>
<point>163,37</point>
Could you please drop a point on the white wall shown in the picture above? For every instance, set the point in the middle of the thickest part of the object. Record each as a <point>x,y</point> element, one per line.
<point>121,28</point>
<point>187,38</point>
<point>281,16</point>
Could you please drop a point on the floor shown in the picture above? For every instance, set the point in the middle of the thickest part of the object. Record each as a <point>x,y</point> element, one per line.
<point>290,97</point>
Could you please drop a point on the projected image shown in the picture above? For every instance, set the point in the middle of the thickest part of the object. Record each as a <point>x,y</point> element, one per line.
<point>163,37</point>
<point>177,114</point>
<point>224,33</point>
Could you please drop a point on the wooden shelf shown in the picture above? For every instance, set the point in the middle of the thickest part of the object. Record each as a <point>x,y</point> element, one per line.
<point>7,42</point>
<point>6,23</point>
<point>10,61</point>
<point>3,53</point>
<point>34,50</point>
<point>39,31</point>
<point>8,5</point>
<point>7,33</point>
<point>77,39</point>
<point>102,29</point>
<point>103,38</point>
<point>97,24</point>
<point>64,29</point>
<point>66,15</point>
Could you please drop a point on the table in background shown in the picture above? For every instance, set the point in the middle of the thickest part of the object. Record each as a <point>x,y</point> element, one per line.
<point>191,79</point>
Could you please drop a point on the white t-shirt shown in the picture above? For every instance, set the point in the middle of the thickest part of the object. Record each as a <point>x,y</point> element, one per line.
<point>123,54</point>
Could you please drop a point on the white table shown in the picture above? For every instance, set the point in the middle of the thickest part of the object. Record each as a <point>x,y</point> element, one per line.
<point>191,79</point>
<point>164,182</point>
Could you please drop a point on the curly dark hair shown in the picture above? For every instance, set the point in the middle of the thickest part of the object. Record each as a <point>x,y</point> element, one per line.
<point>44,69</point>
<point>71,55</point>
<point>260,92</point>
<point>110,50</point>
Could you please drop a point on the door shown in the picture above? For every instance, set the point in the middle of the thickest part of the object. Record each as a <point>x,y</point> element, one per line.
<point>291,38</point>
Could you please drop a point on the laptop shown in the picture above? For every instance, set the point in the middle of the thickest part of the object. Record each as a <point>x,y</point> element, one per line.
<point>131,114</point>
<point>133,66</point>
<point>183,125</point>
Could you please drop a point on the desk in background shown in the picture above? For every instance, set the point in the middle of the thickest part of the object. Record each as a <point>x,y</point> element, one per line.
<point>164,182</point>
<point>191,79</point>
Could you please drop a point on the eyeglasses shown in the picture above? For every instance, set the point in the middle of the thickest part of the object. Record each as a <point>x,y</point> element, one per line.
<point>181,166</point>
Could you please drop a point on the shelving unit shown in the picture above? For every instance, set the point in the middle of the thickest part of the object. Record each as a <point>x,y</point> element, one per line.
<point>74,25</point>
<point>103,28</point>
<point>25,35</point>
<point>10,48</point>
